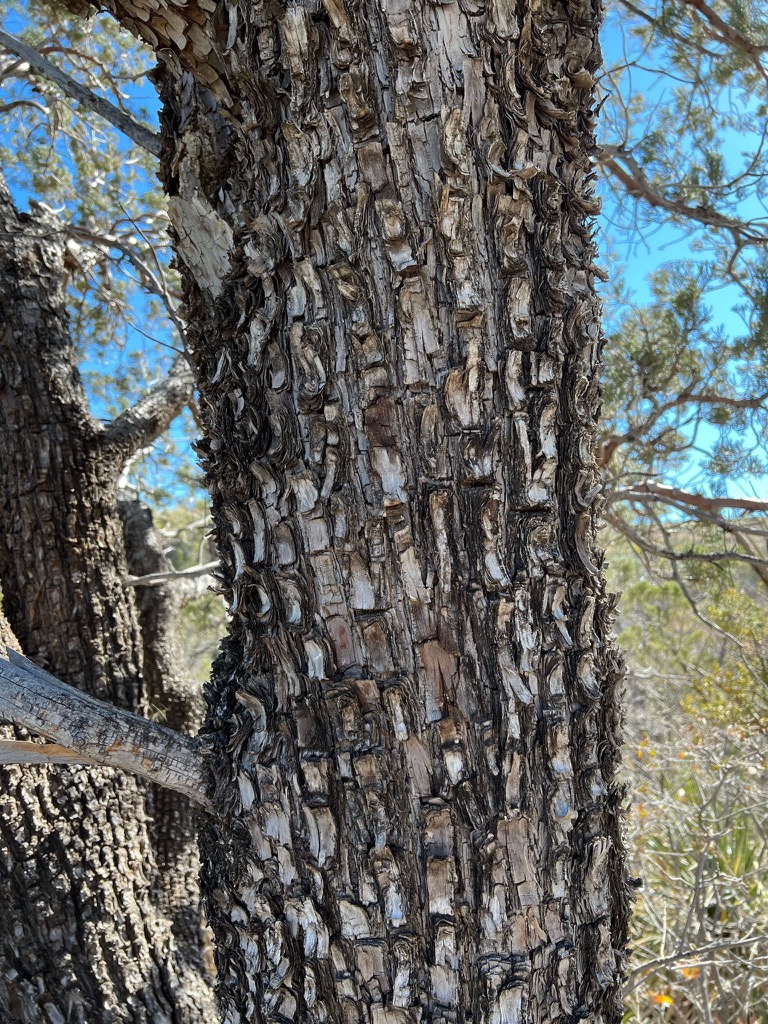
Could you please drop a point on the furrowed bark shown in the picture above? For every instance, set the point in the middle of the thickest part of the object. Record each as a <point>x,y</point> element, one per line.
<point>390,299</point>
<point>383,215</point>
<point>81,939</point>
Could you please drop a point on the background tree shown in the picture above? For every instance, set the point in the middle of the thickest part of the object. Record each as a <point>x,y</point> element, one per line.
<point>684,462</point>
<point>100,873</point>
<point>96,900</point>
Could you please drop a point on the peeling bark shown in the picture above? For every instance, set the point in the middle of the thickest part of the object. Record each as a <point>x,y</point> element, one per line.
<point>81,940</point>
<point>383,212</point>
<point>390,296</point>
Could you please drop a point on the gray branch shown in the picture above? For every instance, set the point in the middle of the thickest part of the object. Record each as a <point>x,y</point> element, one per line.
<point>156,579</point>
<point>139,133</point>
<point>86,729</point>
<point>152,414</point>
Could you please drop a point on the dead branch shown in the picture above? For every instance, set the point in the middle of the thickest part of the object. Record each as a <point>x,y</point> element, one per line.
<point>674,495</point>
<point>155,579</point>
<point>96,732</point>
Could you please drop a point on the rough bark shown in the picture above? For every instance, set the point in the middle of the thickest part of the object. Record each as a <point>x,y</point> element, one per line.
<point>385,229</point>
<point>81,939</point>
<point>383,215</point>
<point>33,699</point>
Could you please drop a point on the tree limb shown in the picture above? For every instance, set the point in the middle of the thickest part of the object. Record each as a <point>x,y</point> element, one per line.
<point>139,133</point>
<point>149,279</point>
<point>662,492</point>
<point>684,556</point>
<point>725,33</point>
<point>167,676</point>
<point>610,444</point>
<point>97,732</point>
<point>634,180</point>
<point>27,752</point>
<point>155,579</point>
<point>152,414</point>
<point>686,956</point>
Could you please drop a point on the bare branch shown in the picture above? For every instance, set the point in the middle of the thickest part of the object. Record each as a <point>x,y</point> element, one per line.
<point>99,733</point>
<point>633,178</point>
<point>152,414</point>
<point>27,752</point>
<point>155,579</point>
<point>684,556</point>
<point>139,133</point>
<point>673,495</point>
<point>686,956</point>
<point>725,33</point>
<point>150,279</point>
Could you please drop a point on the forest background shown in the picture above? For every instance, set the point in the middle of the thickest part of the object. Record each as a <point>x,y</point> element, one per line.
<point>684,239</point>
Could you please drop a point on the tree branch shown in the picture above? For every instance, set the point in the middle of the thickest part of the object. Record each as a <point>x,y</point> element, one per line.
<point>609,445</point>
<point>139,133</point>
<point>27,752</point>
<point>155,579</point>
<point>169,684</point>
<point>152,414</point>
<point>150,280</point>
<point>633,178</point>
<point>683,556</point>
<point>662,492</point>
<point>725,33</point>
<point>686,956</point>
<point>96,732</point>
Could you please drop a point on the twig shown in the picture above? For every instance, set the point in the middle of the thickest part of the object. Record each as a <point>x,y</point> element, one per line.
<point>154,579</point>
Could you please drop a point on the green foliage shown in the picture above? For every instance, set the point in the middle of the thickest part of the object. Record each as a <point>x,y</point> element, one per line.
<point>686,375</point>
<point>78,165</point>
<point>186,525</point>
<point>686,380</point>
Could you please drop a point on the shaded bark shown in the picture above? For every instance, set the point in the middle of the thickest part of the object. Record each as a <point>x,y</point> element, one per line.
<point>81,939</point>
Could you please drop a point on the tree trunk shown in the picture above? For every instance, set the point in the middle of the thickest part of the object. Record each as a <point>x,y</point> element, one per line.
<point>383,215</point>
<point>82,938</point>
<point>175,700</point>
<point>384,218</point>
